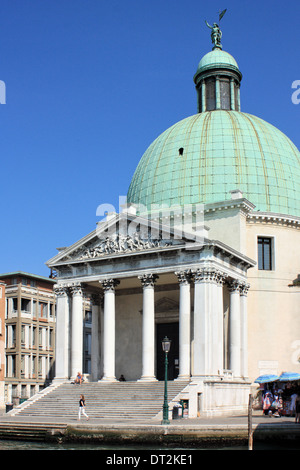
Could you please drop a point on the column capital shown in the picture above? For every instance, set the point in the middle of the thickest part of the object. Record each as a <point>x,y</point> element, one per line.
<point>209,275</point>
<point>148,280</point>
<point>244,287</point>
<point>109,284</point>
<point>76,288</point>
<point>60,290</point>
<point>184,277</point>
<point>234,285</point>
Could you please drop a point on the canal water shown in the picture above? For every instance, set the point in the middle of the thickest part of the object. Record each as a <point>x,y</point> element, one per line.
<point>16,445</point>
<point>25,445</point>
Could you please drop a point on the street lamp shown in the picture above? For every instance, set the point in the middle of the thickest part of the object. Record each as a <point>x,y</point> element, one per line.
<point>166,344</point>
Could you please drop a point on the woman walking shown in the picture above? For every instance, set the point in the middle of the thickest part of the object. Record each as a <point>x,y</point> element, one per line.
<point>81,408</point>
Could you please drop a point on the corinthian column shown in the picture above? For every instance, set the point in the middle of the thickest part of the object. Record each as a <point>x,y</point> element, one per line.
<point>184,324</point>
<point>208,322</point>
<point>148,281</point>
<point>77,330</point>
<point>62,333</point>
<point>109,329</point>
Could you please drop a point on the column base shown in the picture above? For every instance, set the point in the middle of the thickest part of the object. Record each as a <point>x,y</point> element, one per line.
<point>108,379</point>
<point>148,379</point>
<point>58,380</point>
<point>183,378</point>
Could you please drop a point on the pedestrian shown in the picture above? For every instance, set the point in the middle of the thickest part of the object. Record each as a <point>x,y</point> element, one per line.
<point>275,407</point>
<point>78,379</point>
<point>297,415</point>
<point>293,403</point>
<point>81,409</point>
<point>267,403</point>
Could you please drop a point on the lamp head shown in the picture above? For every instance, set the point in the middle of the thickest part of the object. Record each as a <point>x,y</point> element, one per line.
<point>166,344</point>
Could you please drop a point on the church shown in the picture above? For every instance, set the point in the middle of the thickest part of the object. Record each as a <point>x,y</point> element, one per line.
<point>205,251</point>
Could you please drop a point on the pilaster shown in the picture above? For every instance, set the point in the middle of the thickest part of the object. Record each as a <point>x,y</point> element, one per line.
<point>244,329</point>
<point>235,329</point>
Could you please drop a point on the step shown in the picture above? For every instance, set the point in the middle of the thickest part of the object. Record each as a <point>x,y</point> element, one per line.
<point>104,400</point>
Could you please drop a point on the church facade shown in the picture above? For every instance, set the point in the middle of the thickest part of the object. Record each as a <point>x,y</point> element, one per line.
<point>204,252</point>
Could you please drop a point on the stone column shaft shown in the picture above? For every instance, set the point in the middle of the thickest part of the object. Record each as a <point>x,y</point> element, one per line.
<point>77,331</point>
<point>109,330</point>
<point>148,335</point>
<point>184,325</point>
<point>62,333</point>
<point>208,323</point>
<point>95,360</point>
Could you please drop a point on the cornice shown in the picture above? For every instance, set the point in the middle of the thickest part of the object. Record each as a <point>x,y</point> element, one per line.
<point>242,204</point>
<point>273,218</point>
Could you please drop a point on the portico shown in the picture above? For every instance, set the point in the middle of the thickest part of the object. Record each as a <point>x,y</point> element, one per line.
<point>186,280</point>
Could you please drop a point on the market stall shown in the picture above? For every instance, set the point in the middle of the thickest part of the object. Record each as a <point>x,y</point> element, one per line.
<point>279,393</point>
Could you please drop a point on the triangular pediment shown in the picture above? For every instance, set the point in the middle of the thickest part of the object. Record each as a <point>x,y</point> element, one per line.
<point>120,235</point>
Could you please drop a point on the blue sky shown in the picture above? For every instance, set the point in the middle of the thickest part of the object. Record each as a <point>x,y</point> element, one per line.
<point>91,83</point>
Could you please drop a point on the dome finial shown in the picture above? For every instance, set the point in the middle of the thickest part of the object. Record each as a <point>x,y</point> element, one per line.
<point>216,33</point>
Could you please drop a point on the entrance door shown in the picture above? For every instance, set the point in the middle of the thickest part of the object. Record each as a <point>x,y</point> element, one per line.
<point>171,330</point>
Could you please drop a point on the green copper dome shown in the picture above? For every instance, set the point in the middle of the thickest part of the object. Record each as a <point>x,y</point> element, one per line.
<point>217,59</point>
<point>203,157</point>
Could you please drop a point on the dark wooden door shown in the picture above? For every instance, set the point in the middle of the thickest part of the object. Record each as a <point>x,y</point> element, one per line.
<point>171,330</point>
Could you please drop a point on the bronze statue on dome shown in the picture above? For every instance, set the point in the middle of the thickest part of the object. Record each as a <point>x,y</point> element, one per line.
<point>216,33</point>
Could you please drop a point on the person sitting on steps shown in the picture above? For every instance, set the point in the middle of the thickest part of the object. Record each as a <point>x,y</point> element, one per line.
<point>78,379</point>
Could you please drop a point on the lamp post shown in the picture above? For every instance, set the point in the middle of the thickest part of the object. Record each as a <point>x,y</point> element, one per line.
<point>166,344</point>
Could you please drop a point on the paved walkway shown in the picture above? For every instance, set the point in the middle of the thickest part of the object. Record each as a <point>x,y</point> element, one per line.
<point>257,419</point>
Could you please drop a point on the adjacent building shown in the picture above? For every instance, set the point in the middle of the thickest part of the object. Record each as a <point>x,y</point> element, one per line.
<point>2,345</point>
<point>29,303</point>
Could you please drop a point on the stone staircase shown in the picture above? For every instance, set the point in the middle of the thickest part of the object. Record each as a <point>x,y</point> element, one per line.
<point>112,401</point>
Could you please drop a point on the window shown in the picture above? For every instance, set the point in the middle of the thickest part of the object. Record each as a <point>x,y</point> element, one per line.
<point>15,304</point>
<point>265,261</point>
<point>40,338</point>
<point>34,336</point>
<point>88,317</point>
<point>51,311</point>
<point>12,336</point>
<point>51,338</point>
<point>225,93</point>
<point>43,309</point>
<point>33,366</point>
<point>210,95</point>
<point>23,335</point>
<point>26,305</point>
